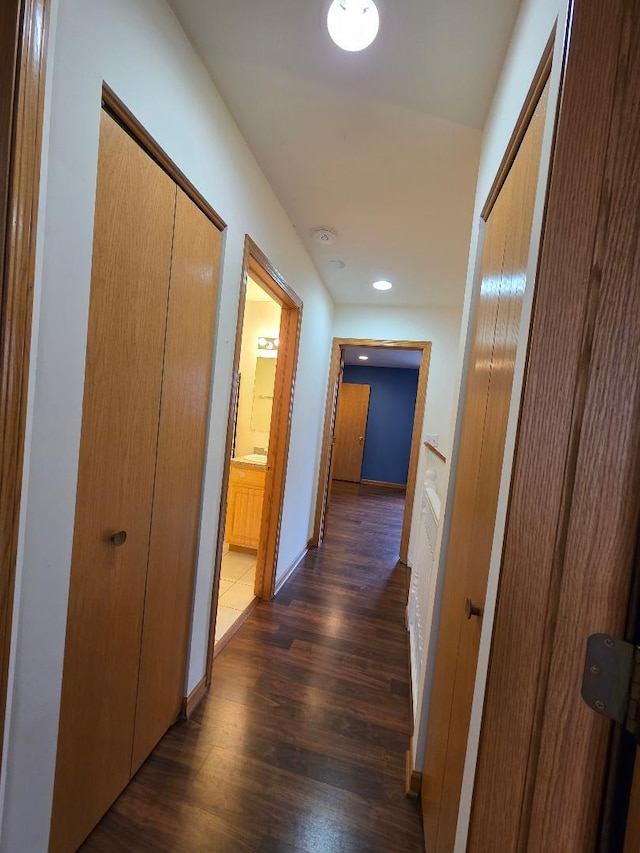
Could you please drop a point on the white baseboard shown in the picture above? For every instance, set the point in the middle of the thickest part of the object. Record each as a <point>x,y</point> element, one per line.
<point>280,582</point>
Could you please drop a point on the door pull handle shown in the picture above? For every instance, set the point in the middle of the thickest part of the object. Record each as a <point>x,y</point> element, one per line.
<point>471,609</point>
<point>119,538</point>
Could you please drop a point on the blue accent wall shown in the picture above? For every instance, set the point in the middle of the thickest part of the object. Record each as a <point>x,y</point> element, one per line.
<point>387,444</point>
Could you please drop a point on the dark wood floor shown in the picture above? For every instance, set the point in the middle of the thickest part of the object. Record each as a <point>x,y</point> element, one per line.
<point>300,745</point>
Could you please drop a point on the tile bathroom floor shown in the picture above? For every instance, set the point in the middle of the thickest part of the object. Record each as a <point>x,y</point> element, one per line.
<point>237,578</point>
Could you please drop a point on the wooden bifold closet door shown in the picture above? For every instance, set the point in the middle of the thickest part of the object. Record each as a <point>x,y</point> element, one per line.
<point>147,377</point>
<point>176,503</point>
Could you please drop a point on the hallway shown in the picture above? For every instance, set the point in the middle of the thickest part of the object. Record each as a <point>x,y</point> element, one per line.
<point>300,744</point>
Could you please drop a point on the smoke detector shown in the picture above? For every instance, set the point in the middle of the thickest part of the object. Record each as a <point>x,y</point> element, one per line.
<point>324,236</point>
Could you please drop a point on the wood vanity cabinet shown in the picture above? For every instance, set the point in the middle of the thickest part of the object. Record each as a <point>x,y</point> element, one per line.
<point>244,506</point>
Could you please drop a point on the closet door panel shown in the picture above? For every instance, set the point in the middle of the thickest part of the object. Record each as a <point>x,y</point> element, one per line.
<point>460,553</point>
<point>133,230</point>
<point>180,461</point>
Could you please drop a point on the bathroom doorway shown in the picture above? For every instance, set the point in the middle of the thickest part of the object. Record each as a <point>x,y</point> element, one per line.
<point>267,337</point>
<point>249,452</point>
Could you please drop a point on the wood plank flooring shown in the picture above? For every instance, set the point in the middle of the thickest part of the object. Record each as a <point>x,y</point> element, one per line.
<point>300,744</point>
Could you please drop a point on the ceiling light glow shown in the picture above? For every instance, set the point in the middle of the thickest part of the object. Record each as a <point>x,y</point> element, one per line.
<point>353,24</point>
<point>382,285</point>
<point>363,357</point>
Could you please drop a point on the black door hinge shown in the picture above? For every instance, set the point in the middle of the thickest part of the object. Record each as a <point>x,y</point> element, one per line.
<point>611,681</point>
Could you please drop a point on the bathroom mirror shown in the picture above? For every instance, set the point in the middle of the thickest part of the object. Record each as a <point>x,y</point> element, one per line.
<point>263,394</point>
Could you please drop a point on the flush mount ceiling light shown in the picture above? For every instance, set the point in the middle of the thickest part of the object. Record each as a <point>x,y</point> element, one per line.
<point>382,285</point>
<point>363,357</point>
<point>353,24</point>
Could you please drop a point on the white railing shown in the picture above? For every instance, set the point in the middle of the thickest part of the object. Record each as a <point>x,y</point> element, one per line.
<point>421,572</point>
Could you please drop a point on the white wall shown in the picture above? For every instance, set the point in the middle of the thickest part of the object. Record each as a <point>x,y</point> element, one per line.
<point>441,326</point>
<point>138,48</point>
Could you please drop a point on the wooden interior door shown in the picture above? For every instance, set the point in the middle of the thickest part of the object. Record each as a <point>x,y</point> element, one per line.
<point>133,231</point>
<point>350,431</point>
<point>179,470</point>
<point>487,401</point>
<point>452,614</point>
<point>572,522</point>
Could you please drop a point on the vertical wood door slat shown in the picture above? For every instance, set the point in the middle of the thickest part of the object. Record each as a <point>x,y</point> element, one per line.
<point>605,501</point>
<point>129,288</point>
<point>351,424</point>
<point>177,497</point>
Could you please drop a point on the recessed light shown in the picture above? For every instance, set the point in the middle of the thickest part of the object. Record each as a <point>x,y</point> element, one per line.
<point>382,285</point>
<point>363,357</point>
<point>353,24</point>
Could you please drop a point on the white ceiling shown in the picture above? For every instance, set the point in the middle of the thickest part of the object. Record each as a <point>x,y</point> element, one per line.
<point>382,146</point>
<point>381,357</point>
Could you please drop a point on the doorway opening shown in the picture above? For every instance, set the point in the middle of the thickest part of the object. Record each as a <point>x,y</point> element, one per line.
<point>362,424</point>
<point>249,452</point>
<point>266,353</point>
